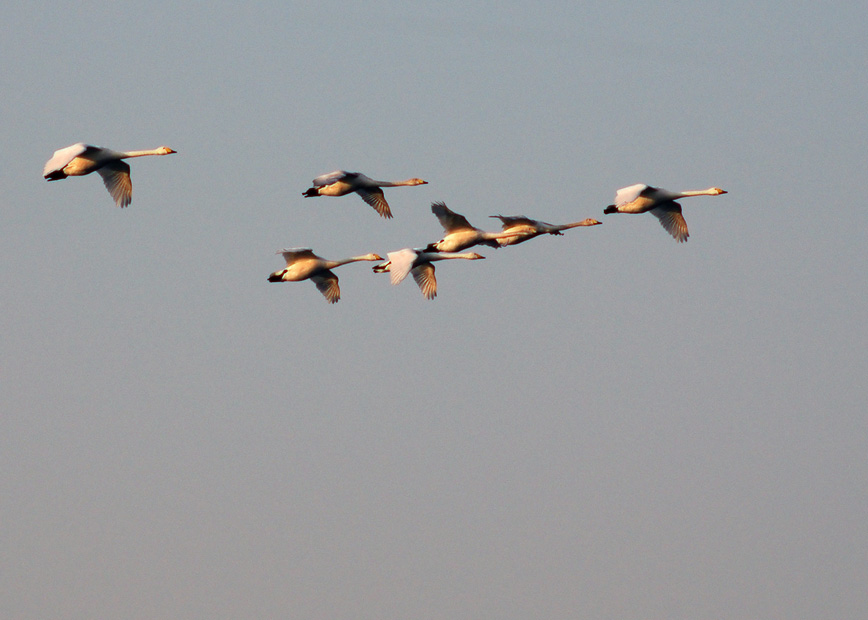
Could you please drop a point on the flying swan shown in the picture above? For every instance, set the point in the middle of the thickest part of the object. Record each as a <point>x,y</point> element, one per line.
<point>303,264</point>
<point>527,228</point>
<point>418,261</point>
<point>661,203</point>
<point>341,183</point>
<point>81,159</point>
<point>460,235</point>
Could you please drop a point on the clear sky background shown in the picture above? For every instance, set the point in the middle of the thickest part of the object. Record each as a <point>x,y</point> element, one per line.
<point>607,424</point>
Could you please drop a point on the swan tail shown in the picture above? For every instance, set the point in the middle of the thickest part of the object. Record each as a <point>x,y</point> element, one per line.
<point>312,192</point>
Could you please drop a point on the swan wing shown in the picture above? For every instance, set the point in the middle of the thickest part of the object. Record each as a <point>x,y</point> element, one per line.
<point>626,195</point>
<point>514,220</point>
<point>63,156</point>
<point>332,177</point>
<point>449,220</point>
<point>401,262</point>
<point>291,255</point>
<point>116,176</point>
<point>424,276</point>
<point>669,214</point>
<point>327,284</point>
<point>374,197</point>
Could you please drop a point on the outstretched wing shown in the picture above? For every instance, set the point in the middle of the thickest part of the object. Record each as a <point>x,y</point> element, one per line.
<point>626,195</point>
<point>62,157</point>
<point>401,263</point>
<point>514,220</point>
<point>449,220</point>
<point>424,276</point>
<point>332,177</point>
<point>290,255</point>
<point>116,176</point>
<point>669,214</point>
<point>327,284</point>
<point>374,197</point>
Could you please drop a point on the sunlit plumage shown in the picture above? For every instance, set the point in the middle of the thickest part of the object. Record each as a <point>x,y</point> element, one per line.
<point>303,264</point>
<point>460,234</point>
<point>418,262</point>
<point>341,183</point>
<point>641,198</point>
<point>526,229</point>
<point>81,159</point>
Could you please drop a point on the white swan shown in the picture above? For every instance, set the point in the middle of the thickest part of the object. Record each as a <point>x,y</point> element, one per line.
<point>303,264</point>
<point>418,261</point>
<point>80,159</point>
<point>528,229</point>
<point>641,198</point>
<point>341,182</point>
<point>460,235</point>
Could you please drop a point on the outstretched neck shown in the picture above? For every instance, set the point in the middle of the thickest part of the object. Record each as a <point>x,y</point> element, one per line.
<point>352,259</point>
<point>447,255</point>
<point>401,183</point>
<point>160,151</point>
<point>711,191</point>
<point>587,222</point>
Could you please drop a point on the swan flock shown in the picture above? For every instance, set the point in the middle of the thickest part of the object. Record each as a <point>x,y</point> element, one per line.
<point>81,159</point>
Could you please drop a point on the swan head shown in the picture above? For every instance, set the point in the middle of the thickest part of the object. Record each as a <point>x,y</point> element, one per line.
<point>716,191</point>
<point>415,181</point>
<point>591,222</point>
<point>475,256</point>
<point>165,150</point>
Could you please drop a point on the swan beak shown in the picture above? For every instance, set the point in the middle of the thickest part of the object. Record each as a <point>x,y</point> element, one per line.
<point>171,151</point>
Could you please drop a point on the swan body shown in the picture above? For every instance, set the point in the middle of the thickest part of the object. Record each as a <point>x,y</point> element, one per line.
<point>419,261</point>
<point>460,235</point>
<point>81,159</point>
<point>641,198</point>
<point>303,264</point>
<point>341,183</point>
<point>527,228</point>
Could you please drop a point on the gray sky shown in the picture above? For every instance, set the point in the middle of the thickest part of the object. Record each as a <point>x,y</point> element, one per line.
<point>606,424</point>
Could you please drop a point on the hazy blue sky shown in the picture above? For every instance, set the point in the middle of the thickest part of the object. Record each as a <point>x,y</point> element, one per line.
<point>607,424</point>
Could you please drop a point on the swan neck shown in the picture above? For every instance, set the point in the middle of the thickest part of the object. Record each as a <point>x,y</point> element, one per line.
<point>448,255</point>
<point>127,154</point>
<point>345,261</point>
<point>696,192</point>
<point>572,225</point>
